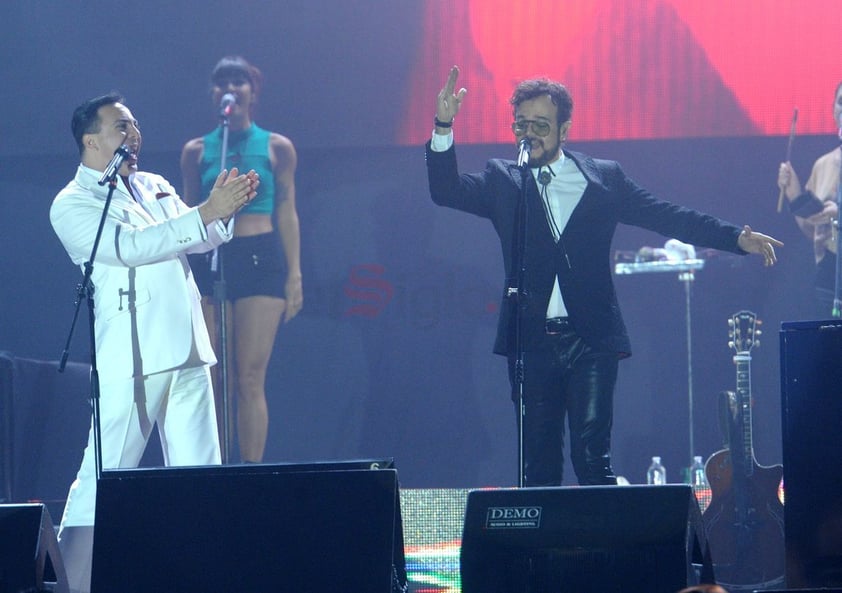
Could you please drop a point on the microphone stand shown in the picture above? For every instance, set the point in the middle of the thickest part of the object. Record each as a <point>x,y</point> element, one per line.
<point>518,298</point>
<point>219,294</point>
<point>86,290</point>
<point>837,289</point>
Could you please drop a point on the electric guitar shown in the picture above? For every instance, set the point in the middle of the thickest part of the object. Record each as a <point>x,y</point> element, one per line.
<point>744,522</point>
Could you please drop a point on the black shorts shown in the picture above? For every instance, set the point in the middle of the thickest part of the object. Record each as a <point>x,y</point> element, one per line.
<point>253,266</point>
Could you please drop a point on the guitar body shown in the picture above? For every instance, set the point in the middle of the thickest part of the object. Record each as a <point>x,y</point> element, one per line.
<point>744,522</point>
<point>744,525</point>
<point>720,473</point>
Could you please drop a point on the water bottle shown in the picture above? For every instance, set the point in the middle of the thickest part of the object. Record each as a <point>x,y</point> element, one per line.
<point>657,473</point>
<point>697,473</point>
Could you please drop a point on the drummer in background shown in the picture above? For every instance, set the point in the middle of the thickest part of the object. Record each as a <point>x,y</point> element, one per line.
<point>815,209</point>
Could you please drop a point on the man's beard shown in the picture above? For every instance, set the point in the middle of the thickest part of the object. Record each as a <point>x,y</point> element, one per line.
<point>549,154</point>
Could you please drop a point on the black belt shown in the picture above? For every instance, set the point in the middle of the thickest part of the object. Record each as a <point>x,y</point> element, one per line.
<point>556,325</point>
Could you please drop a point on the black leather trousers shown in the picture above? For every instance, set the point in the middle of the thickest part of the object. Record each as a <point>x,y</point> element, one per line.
<point>568,380</point>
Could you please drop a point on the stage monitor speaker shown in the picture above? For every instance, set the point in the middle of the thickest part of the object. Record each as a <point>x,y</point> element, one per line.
<point>29,555</point>
<point>599,539</point>
<point>44,421</point>
<point>307,528</point>
<point>811,416</point>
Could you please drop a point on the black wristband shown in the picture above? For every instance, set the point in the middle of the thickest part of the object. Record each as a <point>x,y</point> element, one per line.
<point>805,205</point>
<point>443,124</point>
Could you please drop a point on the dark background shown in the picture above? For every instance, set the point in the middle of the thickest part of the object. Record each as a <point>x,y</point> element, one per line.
<point>391,355</point>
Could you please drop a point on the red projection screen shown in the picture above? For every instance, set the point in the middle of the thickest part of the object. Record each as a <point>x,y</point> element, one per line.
<point>636,70</point>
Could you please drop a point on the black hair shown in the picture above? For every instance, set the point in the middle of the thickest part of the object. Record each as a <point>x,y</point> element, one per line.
<point>536,87</point>
<point>238,65</point>
<point>86,117</point>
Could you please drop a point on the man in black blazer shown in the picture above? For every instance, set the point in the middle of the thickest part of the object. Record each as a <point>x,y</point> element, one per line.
<point>571,331</point>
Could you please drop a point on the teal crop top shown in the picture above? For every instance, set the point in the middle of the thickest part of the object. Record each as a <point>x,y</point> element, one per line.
<point>247,149</point>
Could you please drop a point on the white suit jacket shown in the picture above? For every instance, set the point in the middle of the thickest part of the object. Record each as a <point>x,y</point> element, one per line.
<point>147,307</point>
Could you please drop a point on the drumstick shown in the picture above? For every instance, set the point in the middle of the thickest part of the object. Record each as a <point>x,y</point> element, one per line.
<point>788,153</point>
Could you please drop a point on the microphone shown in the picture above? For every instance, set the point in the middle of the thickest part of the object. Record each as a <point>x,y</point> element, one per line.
<point>523,152</point>
<point>120,155</point>
<point>226,105</point>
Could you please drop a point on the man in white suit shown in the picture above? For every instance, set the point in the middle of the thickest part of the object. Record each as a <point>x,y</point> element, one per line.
<point>152,346</point>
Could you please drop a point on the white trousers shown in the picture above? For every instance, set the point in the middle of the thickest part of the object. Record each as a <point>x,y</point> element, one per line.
<point>180,401</point>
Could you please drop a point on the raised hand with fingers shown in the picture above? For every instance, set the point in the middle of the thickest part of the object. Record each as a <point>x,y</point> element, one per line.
<point>448,102</point>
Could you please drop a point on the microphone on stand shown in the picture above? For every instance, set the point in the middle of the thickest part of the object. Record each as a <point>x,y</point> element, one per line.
<point>120,155</point>
<point>523,152</point>
<point>226,104</point>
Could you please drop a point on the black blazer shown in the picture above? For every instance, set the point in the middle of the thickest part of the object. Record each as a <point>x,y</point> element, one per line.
<point>581,259</point>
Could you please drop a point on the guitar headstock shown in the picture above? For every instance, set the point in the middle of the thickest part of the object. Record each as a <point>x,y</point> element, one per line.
<point>743,332</point>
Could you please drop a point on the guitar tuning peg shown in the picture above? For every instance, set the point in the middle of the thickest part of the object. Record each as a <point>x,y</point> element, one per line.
<point>758,332</point>
<point>731,322</point>
<point>730,343</point>
<point>757,343</point>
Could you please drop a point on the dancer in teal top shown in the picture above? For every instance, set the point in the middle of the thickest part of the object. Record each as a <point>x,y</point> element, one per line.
<point>250,145</point>
<point>261,264</point>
